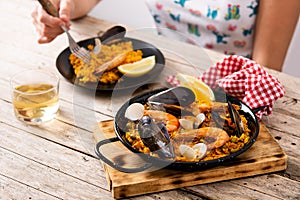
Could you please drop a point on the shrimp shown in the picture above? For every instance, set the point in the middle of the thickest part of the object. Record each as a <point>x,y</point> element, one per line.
<point>207,107</point>
<point>220,137</point>
<point>170,121</point>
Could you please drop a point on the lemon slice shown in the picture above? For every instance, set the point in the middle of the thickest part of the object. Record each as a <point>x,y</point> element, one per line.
<point>203,92</point>
<point>138,68</point>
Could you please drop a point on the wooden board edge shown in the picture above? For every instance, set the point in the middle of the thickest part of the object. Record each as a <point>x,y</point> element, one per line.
<point>108,178</point>
<point>122,191</point>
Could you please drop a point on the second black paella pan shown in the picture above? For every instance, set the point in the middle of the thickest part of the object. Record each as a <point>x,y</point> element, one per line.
<point>153,159</point>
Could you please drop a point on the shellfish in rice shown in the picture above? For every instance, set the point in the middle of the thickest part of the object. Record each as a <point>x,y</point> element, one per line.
<point>199,119</point>
<point>235,117</point>
<point>135,111</point>
<point>187,135</point>
<point>189,122</point>
<point>198,151</point>
<point>173,100</point>
<point>155,137</point>
<point>186,124</point>
<point>180,96</point>
<point>213,137</point>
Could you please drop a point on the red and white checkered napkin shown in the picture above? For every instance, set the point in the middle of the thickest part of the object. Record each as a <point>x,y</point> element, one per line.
<point>244,79</point>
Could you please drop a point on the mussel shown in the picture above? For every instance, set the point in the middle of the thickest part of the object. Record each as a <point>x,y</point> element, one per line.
<point>155,137</point>
<point>235,117</point>
<point>222,121</point>
<point>173,100</point>
<point>180,96</point>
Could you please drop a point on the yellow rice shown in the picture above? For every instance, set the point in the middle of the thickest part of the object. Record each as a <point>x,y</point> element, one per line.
<point>234,144</point>
<point>87,72</point>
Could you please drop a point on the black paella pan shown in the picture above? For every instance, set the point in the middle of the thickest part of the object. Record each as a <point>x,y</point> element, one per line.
<point>120,129</point>
<point>66,69</point>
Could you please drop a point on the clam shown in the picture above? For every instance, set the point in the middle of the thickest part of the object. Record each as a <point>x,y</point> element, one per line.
<point>200,150</point>
<point>187,151</point>
<point>186,124</point>
<point>199,119</point>
<point>197,151</point>
<point>135,111</point>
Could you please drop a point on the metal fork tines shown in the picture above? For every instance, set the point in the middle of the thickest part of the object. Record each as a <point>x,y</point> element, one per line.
<point>82,53</point>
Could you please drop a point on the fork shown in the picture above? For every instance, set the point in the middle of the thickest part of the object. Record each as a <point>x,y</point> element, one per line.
<point>80,52</point>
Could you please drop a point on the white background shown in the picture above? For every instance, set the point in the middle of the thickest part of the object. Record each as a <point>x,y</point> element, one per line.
<point>135,14</point>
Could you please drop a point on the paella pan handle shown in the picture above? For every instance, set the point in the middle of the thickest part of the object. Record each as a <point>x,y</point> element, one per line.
<point>114,165</point>
<point>255,110</point>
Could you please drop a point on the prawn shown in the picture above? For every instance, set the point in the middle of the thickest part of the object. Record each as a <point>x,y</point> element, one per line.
<point>208,107</point>
<point>170,121</point>
<point>193,136</point>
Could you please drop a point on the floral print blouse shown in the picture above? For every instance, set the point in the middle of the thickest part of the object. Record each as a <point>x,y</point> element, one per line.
<point>222,25</point>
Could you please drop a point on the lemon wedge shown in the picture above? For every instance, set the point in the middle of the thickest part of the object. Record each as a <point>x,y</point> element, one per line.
<point>203,92</point>
<point>138,68</point>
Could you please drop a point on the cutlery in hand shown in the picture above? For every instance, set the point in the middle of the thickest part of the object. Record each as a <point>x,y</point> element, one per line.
<point>82,53</point>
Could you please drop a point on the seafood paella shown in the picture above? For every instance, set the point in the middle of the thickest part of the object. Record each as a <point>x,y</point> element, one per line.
<point>171,125</point>
<point>103,66</point>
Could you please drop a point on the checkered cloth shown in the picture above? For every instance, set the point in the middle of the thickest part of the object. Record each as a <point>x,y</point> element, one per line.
<point>244,79</point>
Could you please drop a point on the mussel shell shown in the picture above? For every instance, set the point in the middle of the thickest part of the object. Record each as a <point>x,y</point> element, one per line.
<point>175,110</point>
<point>155,137</point>
<point>221,122</point>
<point>235,116</point>
<point>180,96</point>
<point>164,130</point>
<point>150,133</point>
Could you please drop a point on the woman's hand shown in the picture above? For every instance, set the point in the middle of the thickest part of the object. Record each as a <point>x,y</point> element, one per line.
<point>49,27</point>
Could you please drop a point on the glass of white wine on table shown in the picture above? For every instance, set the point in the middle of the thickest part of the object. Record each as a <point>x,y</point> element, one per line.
<point>35,96</point>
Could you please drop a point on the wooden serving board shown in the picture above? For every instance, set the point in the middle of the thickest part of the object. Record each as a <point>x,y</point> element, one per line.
<point>264,156</point>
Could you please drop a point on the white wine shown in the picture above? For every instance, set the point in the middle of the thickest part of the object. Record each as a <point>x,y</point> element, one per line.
<point>35,103</point>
